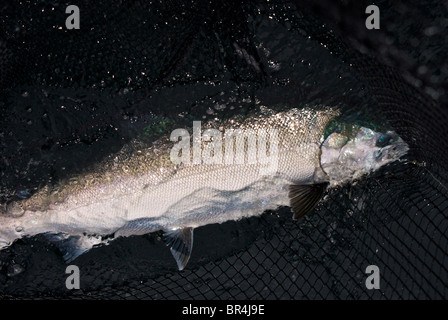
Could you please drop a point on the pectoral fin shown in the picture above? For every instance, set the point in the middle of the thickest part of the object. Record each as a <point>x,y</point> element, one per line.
<point>180,242</point>
<point>303,198</point>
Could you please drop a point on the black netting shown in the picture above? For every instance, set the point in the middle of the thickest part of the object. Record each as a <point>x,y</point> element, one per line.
<point>69,98</point>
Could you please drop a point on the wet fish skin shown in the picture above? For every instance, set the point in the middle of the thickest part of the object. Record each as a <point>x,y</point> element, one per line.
<point>142,192</point>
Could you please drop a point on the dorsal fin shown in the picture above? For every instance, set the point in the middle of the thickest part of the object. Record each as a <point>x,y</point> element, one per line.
<point>180,242</point>
<point>303,197</point>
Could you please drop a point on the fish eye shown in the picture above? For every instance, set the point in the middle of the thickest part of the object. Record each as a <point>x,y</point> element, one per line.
<point>384,140</point>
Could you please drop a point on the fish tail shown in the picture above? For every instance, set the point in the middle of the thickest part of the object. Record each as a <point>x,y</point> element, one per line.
<point>9,232</point>
<point>6,237</point>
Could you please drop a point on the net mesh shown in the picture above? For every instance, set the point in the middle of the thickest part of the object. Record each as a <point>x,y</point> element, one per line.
<point>71,97</point>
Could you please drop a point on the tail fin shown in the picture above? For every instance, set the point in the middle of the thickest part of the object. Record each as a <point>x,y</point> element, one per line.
<point>7,237</point>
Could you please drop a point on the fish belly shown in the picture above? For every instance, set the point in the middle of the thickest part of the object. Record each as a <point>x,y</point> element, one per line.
<point>197,195</point>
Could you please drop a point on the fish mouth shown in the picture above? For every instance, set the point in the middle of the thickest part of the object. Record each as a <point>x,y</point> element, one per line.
<point>393,151</point>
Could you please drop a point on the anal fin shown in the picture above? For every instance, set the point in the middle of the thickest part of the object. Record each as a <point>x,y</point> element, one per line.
<point>72,247</point>
<point>304,197</point>
<point>180,242</point>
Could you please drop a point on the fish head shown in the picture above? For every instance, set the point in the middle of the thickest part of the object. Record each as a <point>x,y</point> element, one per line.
<point>351,151</point>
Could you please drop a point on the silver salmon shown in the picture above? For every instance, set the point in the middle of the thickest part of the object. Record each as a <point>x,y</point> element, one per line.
<point>205,175</point>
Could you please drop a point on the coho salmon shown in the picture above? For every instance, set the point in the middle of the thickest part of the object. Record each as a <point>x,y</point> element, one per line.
<point>203,175</point>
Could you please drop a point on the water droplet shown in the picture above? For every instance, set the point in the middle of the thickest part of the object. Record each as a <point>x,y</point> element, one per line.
<point>19,229</point>
<point>14,270</point>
